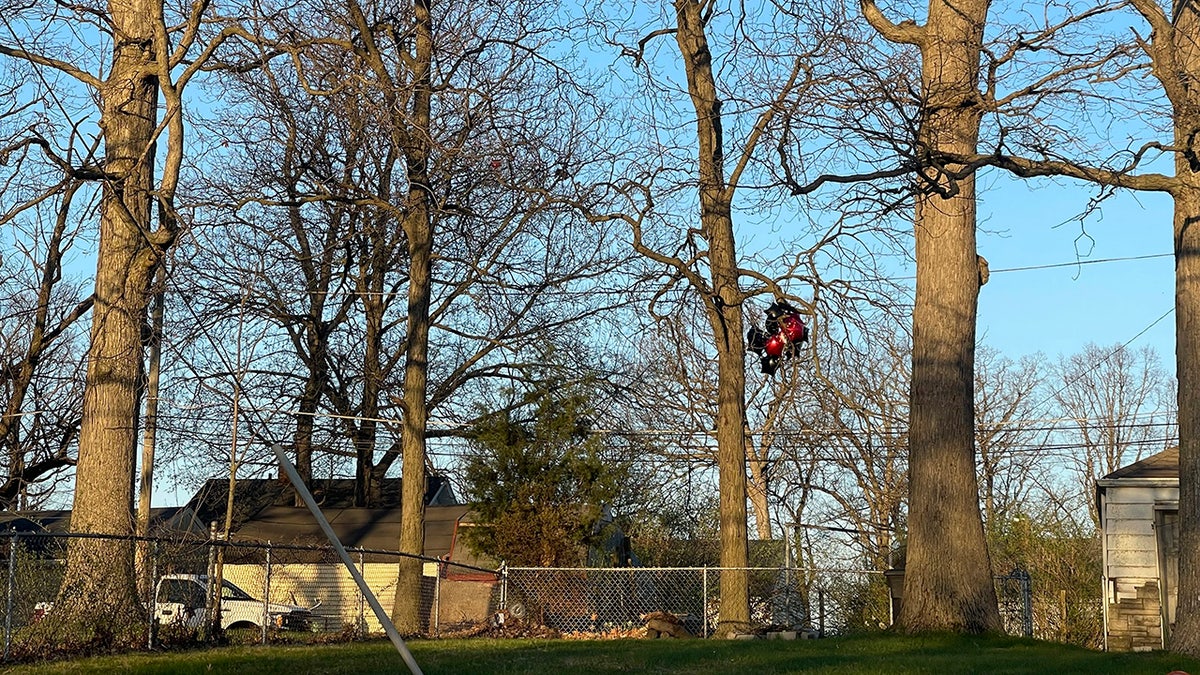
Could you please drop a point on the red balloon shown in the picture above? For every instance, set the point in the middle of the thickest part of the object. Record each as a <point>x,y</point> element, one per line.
<point>775,344</point>
<point>793,327</point>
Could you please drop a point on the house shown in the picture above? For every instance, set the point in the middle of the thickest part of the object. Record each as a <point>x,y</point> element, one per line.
<point>1139,525</point>
<point>264,511</point>
<point>300,568</point>
<point>303,572</point>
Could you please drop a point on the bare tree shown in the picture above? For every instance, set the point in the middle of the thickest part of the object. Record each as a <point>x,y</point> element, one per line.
<point>42,341</point>
<point>1007,394</point>
<point>1172,60</point>
<point>1112,397</point>
<point>717,283</point>
<point>154,56</point>
<point>948,583</point>
<point>742,96</point>
<point>513,267</point>
<point>863,427</point>
<point>40,390</point>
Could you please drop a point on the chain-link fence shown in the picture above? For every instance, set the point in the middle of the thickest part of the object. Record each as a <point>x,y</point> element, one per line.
<point>815,602</point>
<point>266,592</point>
<point>304,593</point>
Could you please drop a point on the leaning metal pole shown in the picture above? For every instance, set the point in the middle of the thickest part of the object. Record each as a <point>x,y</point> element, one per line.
<point>311,503</point>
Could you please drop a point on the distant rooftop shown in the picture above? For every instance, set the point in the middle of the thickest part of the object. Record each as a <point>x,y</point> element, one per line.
<point>253,495</point>
<point>1162,465</point>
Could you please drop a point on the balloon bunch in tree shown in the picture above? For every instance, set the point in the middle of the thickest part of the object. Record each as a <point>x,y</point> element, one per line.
<point>784,332</point>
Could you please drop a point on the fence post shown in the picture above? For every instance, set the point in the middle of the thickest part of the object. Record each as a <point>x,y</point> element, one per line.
<point>503,585</point>
<point>437,601</point>
<point>266,594</point>
<point>152,601</point>
<point>704,598</point>
<point>1027,603</point>
<point>12,580</point>
<point>820,612</point>
<point>361,626</point>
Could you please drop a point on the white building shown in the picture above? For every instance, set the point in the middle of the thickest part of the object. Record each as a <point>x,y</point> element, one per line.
<point>1139,523</point>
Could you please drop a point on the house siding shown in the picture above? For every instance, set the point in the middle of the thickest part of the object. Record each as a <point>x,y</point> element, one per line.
<point>1131,566</point>
<point>445,602</point>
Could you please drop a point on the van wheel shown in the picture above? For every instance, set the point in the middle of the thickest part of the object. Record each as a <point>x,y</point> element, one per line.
<point>517,610</point>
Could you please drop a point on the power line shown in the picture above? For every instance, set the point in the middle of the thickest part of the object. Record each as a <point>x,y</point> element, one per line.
<point>1077,263</point>
<point>1102,361</point>
<point>1029,268</point>
<point>1089,423</point>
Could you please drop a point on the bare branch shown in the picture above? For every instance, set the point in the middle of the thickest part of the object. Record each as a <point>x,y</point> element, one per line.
<point>906,32</point>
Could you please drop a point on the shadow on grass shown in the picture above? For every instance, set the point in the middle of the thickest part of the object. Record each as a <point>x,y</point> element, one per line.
<point>876,654</point>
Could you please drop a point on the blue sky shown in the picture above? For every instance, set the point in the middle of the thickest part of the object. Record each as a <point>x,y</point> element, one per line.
<point>1058,310</point>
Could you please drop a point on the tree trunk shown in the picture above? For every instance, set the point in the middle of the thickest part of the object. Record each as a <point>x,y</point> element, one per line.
<point>416,416</point>
<point>374,306</point>
<point>1185,637</point>
<point>724,309</point>
<point>306,406</point>
<point>315,331</point>
<point>757,488</point>
<point>418,225</point>
<point>105,605</point>
<point>149,439</point>
<point>948,582</point>
<point>1184,52</point>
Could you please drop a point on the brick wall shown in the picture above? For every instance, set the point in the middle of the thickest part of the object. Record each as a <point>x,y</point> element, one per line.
<point>1135,623</point>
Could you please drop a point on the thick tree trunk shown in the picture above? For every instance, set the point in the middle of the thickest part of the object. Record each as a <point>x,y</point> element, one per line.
<point>1185,637</point>
<point>418,225</point>
<point>724,308</point>
<point>1178,68</point>
<point>948,582</point>
<point>104,606</point>
<point>407,614</point>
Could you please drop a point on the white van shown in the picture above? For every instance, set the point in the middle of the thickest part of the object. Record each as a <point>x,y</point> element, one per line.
<point>180,599</point>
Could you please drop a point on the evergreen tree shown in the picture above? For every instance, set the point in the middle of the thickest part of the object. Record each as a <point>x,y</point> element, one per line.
<point>538,483</point>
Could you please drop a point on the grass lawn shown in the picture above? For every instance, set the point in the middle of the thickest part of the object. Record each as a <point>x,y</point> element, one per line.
<point>883,655</point>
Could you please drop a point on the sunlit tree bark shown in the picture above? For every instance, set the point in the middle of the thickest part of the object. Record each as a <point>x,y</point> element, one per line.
<point>948,582</point>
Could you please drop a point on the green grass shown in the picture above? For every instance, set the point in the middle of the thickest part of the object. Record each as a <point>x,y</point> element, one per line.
<point>882,655</point>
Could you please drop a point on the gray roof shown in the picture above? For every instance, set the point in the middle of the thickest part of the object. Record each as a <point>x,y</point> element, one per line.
<point>163,520</point>
<point>252,495</point>
<point>1162,465</point>
<point>355,527</point>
